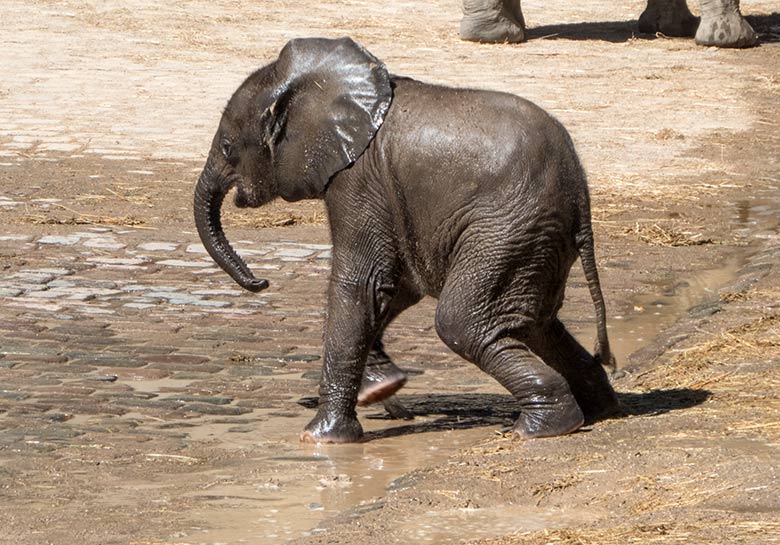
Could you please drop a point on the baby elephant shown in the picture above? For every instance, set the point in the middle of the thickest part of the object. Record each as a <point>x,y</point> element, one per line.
<point>476,198</point>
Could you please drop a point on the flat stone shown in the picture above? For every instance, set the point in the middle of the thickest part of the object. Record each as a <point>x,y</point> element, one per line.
<point>59,283</point>
<point>10,292</point>
<point>196,249</point>
<point>181,263</point>
<point>16,238</point>
<point>213,400</point>
<point>73,294</point>
<point>59,271</point>
<point>212,304</point>
<point>294,252</point>
<point>15,396</point>
<point>251,253</point>
<point>139,306</point>
<point>32,277</point>
<point>65,148</point>
<point>174,298</point>
<point>170,404</point>
<point>104,243</point>
<point>206,408</point>
<point>67,240</point>
<point>229,292</point>
<point>106,359</point>
<point>118,260</point>
<point>159,247</point>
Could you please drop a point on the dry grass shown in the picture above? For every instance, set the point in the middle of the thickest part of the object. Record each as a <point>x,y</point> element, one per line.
<point>666,236</point>
<point>83,219</point>
<point>541,491</point>
<point>691,533</point>
<point>751,341</point>
<point>273,219</point>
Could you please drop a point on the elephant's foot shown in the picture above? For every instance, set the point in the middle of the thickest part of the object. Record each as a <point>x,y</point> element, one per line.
<point>492,21</point>
<point>593,391</point>
<point>725,28</point>
<point>669,17</point>
<point>332,428</point>
<point>380,381</point>
<point>601,408</point>
<point>549,418</point>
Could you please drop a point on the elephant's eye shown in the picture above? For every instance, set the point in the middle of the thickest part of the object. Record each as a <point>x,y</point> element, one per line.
<point>227,148</point>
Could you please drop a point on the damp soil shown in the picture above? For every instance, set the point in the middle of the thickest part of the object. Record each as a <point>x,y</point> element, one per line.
<point>687,221</point>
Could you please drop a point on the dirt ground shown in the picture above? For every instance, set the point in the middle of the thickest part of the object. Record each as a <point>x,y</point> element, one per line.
<point>107,113</point>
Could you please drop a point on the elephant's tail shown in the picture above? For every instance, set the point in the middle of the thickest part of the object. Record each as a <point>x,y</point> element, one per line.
<point>602,352</point>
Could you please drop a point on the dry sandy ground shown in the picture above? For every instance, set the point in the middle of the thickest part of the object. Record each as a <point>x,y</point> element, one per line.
<point>681,146</point>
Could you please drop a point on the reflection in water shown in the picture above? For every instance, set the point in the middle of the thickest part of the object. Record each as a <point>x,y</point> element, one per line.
<point>284,489</point>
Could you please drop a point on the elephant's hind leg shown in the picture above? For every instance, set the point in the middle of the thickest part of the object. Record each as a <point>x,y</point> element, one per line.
<point>382,378</point>
<point>491,326</point>
<point>587,379</point>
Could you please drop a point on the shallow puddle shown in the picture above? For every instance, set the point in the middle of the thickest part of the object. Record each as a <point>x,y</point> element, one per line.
<point>293,487</point>
<point>671,299</point>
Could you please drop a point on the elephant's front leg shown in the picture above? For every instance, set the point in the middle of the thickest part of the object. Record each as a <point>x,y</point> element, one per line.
<point>492,21</point>
<point>669,17</point>
<point>350,330</point>
<point>722,25</point>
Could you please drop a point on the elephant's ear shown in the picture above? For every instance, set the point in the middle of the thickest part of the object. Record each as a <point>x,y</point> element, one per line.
<point>333,99</point>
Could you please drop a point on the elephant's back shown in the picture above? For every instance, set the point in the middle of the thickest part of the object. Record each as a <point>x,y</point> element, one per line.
<point>457,161</point>
<point>471,142</point>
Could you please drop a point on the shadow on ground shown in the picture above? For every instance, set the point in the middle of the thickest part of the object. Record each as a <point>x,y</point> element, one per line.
<point>467,411</point>
<point>767,27</point>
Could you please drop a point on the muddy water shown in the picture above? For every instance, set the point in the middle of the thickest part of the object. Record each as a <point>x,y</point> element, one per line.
<point>283,490</point>
<point>674,296</point>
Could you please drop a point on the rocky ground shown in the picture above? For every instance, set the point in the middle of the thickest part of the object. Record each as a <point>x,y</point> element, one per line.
<point>145,399</point>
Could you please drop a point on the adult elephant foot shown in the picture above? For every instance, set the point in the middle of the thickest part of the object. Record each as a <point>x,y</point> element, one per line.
<point>492,21</point>
<point>669,17</point>
<point>722,25</point>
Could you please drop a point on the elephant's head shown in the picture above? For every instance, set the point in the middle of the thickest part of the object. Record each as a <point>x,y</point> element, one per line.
<point>287,130</point>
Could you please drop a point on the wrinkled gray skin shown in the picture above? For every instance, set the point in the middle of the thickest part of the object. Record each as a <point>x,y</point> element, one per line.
<point>473,197</point>
<point>722,24</point>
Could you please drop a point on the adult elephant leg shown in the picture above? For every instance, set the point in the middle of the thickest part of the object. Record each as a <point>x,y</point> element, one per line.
<point>587,379</point>
<point>722,25</point>
<point>669,17</point>
<point>492,21</point>
<point>490,319</point>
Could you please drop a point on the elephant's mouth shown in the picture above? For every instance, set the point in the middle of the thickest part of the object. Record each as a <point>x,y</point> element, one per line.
<point>247,197</point>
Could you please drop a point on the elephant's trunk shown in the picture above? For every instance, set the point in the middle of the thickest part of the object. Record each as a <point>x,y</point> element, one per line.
<point>209,194</point>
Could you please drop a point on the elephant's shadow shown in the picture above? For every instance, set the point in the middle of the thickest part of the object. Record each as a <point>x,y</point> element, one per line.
<point>622,31</point>
<point>467,411</point>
